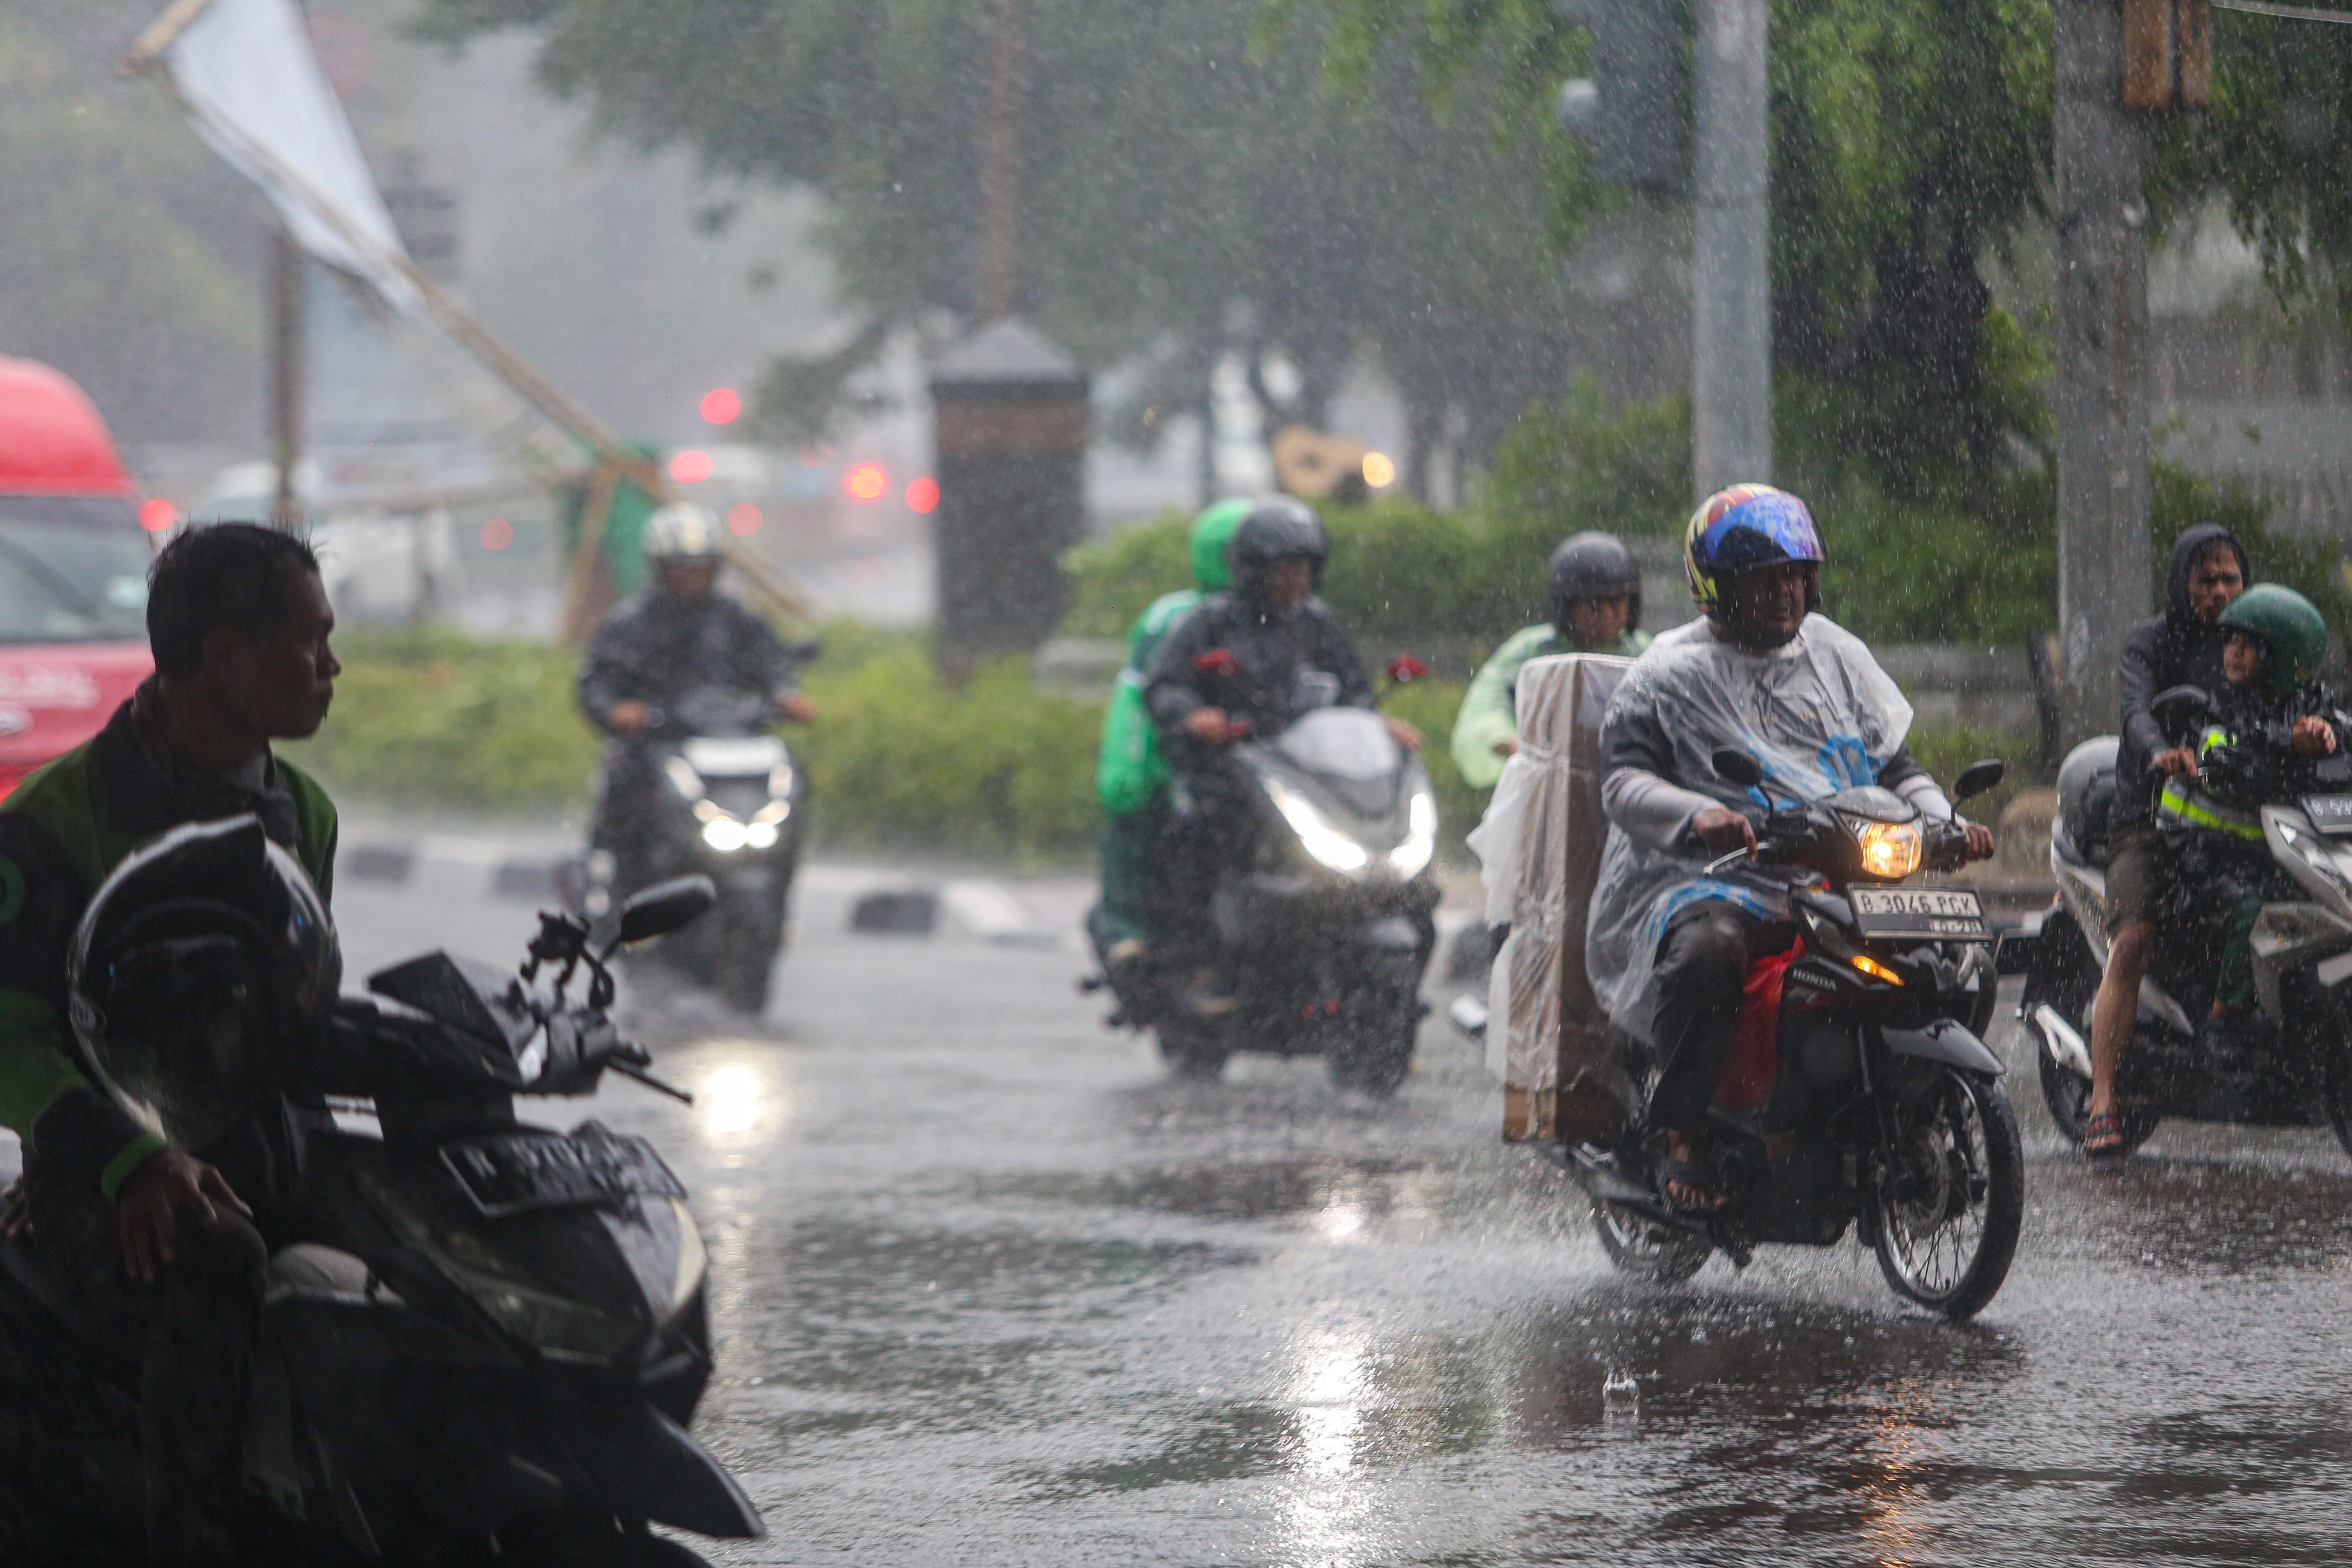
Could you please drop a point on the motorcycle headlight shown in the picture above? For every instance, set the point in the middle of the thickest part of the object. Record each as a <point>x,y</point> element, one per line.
<point>726,835</point>
<point>1317,835</point>
<point>1420,845</point>
<point>1888,850</point>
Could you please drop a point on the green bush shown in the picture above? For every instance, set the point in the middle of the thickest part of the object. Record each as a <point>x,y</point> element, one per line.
<point>899,761</point>
<point>438,720</point>
<point>435,718</point>
<point>1964,558</point>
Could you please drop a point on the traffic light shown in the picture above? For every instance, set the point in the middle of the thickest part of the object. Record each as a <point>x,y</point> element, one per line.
<point>1630,111</point>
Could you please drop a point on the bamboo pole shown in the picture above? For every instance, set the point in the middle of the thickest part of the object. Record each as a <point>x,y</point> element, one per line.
<point>160,34</point>
<point>582,574</point>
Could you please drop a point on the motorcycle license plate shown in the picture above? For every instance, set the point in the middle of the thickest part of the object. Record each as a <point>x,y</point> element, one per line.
<point>1947,913</point>
<point>2329,813</point>
<point>520,1172</point>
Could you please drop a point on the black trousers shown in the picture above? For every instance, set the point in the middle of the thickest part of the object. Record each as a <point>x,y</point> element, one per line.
<point>193,1331</point>
<point>1702,967</point>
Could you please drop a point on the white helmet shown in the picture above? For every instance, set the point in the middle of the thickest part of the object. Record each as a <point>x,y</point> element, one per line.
<point>684,531</point>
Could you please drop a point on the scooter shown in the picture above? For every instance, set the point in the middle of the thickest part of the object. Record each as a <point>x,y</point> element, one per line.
<point>1876,1104</point>
<point>492,1348</point>
<point>1324,923</point>
<point>2299,1073</point>
<point>730,805</point>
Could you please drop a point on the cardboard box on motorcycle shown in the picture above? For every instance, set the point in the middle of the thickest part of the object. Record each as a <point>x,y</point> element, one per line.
<point>1547,1037</point>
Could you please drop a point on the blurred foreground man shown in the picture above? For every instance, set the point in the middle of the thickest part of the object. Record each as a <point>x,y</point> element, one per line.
<point>681,635</point>
<point>168,1249</point>
<point>1595,591</point>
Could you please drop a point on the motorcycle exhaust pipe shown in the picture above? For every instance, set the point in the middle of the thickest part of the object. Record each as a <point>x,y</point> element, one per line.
<point>2066,1047</point>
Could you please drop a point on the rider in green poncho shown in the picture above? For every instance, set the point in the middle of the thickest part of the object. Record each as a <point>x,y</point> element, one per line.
<point>1596,608</point>
<point>1131,776</point>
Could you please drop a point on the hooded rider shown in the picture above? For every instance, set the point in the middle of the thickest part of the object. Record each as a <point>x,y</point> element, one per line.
<point>1131,775</point>
<point>1248,661</point>
<point>1669,946</point>
<point>662,645</point>
<point>2274,640</point>
<point>1596,608</point>
<point>2181,647</point>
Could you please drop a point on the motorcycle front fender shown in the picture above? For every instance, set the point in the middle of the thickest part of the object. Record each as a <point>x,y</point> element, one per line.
<point>1947,1041</point>
<point>677,1482</point>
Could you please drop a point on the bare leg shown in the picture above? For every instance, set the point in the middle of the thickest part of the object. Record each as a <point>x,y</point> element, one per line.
<point>2116,1007</point>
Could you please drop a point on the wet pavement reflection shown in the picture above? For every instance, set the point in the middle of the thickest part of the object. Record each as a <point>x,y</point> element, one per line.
<point>989,1289</point>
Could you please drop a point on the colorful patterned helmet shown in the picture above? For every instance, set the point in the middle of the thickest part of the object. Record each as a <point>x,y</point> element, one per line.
<point>1740,529</point>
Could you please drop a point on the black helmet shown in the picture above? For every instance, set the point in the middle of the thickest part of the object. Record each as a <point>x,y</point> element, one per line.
<point>1277,528</point>
<point>196,970</point>
<point>1593,564</point>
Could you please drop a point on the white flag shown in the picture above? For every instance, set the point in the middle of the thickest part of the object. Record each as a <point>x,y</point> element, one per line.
<point>254,88</point>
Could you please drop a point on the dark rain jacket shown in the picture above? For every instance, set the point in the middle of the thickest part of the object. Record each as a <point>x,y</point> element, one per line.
<point>63,830</point>
<point>1234,654</point>
<point>657,648</point>
<point>2175,649</point>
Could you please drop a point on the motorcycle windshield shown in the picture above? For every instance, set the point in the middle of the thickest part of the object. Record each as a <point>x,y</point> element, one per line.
<point>1347,745</point>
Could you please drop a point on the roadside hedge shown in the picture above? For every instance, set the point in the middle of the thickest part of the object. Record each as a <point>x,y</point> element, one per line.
<point>434,720</point>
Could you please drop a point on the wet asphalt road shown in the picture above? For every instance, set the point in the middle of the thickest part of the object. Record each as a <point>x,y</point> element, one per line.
<point>989,1290</point>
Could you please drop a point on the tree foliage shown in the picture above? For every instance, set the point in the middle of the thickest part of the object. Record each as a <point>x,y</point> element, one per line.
<point>1189,183</point>
<point>126,259</point>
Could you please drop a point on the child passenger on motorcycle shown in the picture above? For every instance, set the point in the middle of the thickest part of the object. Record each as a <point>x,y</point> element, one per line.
<point>2275,640</point>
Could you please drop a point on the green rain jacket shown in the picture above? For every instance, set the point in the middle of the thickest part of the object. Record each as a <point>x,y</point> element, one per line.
<point>1489,708</point>
<point>1130,775</point>
<point>62,833</point>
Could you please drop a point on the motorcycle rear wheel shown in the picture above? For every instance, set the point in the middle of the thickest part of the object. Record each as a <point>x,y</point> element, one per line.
<point>1190,1054</point>
<point>1377,1061</point>
<point>1950,1206</point>
<point>2336,1086</point>
<point>1643,1247</point>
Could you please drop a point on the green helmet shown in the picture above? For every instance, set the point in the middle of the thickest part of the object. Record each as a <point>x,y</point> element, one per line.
<point>1213,531</point>
<point>2289,628</point>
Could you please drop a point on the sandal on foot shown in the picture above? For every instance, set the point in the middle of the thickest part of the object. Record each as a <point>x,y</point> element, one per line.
<point>1699,1178</point>
<point>2103,1137</point>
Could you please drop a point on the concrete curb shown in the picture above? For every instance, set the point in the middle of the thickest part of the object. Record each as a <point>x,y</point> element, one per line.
<point>982,908</point>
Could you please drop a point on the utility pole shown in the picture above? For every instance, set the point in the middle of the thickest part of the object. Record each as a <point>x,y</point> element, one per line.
<point>2115,61</point>
<point>1731,248</point>
<point>1000,177</point>
<point>286,351</point>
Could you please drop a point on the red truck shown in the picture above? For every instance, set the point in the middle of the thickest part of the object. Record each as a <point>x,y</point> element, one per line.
<point>73,571</point>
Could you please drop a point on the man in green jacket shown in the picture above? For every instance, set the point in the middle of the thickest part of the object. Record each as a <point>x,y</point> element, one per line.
<point>153,1236</point>
<point>1131,777</point>
<point>1596,608</point>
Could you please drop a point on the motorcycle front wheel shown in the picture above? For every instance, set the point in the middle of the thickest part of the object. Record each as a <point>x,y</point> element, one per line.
<point>1641,1247</point>
<point>2067,1094</point>
<point>1952,1197</point>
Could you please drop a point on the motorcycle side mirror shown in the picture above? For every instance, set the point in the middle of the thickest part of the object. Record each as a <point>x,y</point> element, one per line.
<point>1738,767</point>
<point>664,907</point>
<point>2180,707</point>
<point>1978,776</point>
<point>1404,669</point>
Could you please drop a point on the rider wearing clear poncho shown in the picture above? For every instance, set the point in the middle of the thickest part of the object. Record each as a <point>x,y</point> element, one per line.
<point>1669,946</point>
